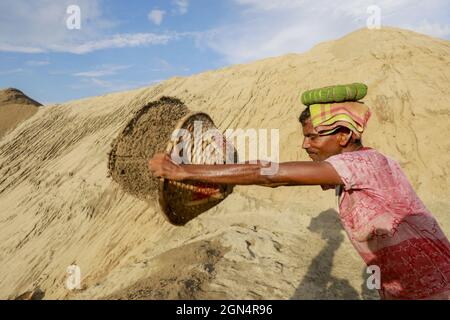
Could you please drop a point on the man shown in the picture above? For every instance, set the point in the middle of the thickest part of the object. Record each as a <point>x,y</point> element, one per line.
<point>385,220</point>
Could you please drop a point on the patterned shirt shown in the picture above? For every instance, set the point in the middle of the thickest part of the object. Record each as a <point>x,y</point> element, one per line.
<point>390,227</point>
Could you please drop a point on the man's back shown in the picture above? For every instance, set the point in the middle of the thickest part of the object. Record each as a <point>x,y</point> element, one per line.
<point>391,227</point>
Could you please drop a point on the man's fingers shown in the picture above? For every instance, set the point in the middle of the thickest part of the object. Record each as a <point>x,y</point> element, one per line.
<point>158,165</point>
<point>167,158</point>
<point>150,165</point>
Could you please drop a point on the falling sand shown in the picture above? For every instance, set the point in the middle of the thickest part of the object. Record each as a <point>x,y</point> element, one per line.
<point>147,133</point>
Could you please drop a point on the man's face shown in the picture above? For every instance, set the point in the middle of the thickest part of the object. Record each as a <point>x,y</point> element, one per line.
<point>318,147</point>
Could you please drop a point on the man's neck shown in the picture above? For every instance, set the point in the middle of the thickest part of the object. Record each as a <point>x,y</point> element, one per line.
<point>352,147</point>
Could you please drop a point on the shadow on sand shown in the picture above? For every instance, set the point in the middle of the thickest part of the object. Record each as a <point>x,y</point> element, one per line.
<point>318,282</point>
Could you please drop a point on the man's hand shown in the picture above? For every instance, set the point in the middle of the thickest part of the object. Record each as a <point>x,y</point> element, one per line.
<point>162,166</point>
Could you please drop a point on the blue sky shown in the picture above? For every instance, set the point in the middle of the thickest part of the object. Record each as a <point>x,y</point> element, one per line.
<point>129,44</point>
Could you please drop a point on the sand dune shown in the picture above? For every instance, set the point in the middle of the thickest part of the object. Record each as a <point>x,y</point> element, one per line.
<point>58,207</point>
<point>15,107</point>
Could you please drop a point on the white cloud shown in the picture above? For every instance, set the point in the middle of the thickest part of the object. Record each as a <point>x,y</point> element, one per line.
<point>181,6</point>
<point>264,28</point>
<point>29,26</point>
<point>433,29</point>
<point>102,71</point>
<point>264,5</point>
<point>12,71</point>
<point>37,63</point>
<point>115,41</point>
<point>96,79</point>
<point>161,65</point>
<point>15,48</point>
<point>101,83</point>
<point>156,16</point>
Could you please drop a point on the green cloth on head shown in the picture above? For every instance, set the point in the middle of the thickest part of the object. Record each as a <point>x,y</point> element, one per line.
<point>332,94</point>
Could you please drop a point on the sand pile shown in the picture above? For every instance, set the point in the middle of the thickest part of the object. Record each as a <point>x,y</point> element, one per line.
<point>15,107</point>
<point>175,280</point>
<point>59,208</point>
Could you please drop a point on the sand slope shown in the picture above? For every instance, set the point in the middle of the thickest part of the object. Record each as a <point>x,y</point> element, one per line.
<point>58,207</point>
<point>15,107</point>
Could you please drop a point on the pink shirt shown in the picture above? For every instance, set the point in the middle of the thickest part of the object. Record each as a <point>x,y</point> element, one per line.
<point>390,226</point>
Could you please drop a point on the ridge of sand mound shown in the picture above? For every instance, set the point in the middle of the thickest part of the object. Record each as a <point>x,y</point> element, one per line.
<point>59,208</point>
<point>15,107</point>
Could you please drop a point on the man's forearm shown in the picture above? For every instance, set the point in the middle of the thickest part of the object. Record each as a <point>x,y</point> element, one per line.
<point>239,174</point>
<point>287,173</point>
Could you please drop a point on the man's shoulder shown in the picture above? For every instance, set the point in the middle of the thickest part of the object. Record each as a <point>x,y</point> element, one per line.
<point>366,155</point>
<point>360,153</point>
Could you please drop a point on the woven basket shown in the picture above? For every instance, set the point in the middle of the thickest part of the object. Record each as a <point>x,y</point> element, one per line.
<point>183,201</point>
<point>149,132</point>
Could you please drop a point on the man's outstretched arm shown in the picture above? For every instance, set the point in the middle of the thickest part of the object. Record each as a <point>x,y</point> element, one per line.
<point>288,173</point>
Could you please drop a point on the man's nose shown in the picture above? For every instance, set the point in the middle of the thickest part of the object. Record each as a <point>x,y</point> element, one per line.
<point>305,144</point>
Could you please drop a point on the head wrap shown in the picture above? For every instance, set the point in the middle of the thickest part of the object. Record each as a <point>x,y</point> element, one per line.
<point>338,106</point>
<point>326,118</point>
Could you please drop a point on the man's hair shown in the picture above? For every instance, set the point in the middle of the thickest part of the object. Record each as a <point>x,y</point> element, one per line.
<point>306,114</point>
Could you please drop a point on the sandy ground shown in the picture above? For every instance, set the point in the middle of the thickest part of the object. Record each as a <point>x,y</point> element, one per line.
<point>58,207</point>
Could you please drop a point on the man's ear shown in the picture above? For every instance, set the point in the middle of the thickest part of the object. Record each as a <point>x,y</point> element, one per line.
<point>344,138</point>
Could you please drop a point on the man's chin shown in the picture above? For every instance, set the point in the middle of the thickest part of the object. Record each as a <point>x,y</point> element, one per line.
<point>316,158</point>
